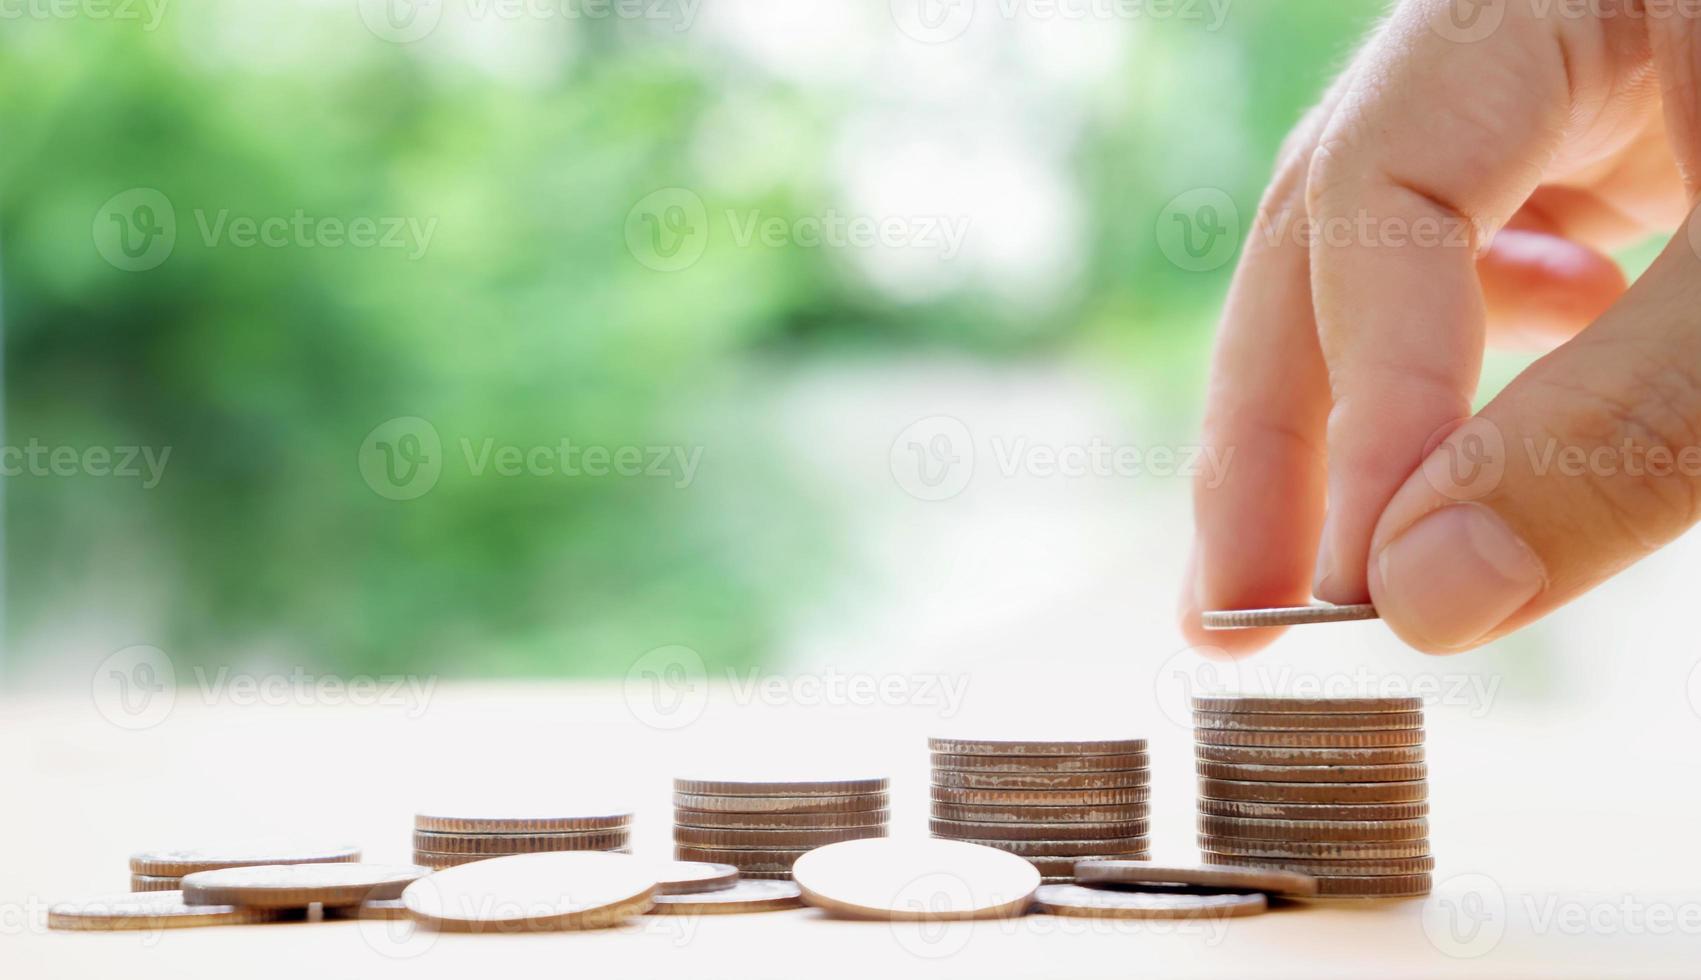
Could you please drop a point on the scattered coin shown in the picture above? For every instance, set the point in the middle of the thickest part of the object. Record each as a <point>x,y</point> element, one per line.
<point>1309,740</point>
<point>1294,722</point>
<point>1314,811</point>
<point>1315,830</point>
<point>1246,619</point>
<point>1061,866</point>
<point>522,820</point>
<point>1116,779</point>
<point>781,804</point>
<point>964,830</point>
<point>535,892</point>
<point>602,840</point>
<point>1392,755</point>
<point>1027,814</point>
<point>1041,763</point>
<point>743,896</point>
<point>1063,848</point>
<point>694,877</point>
<point>960,746</point>
<point>732,820</point>
<point>1039,797</point>
<point>1391,886</point>
<point>770,839</point>
<point>1222,876</point>
<point>176,863</point>
<point>806,787</point>
<point>1257,704</point>
<point>915,879</point>
<point>1233,848</point>
<point>1106,903</point>
<point>294,886</point>
<point>153,910</point>
<point>1380,867</point>
<point>1313,774</point>
<point>150,883</point>
<point>384,908</point>
<point>1231,789</point>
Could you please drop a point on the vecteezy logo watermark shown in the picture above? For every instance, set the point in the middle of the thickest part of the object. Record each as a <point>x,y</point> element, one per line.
<point>136,230</point>
<point>1199,230</point>
<point>1465,916</point>
<point>401,21</point>
<point>933,21</point>
<point>927,900</point>
<point>668,230</point>
<point>401,459</point>
<point>1470,461</point>
<point>135,688</point>
<point>933,459</point>
<point>668,687</point>
<point>1469,915</point>
<point>148,12</point>
<point>36,459</point>
<point>406,21</point>
<point>1467,21</point>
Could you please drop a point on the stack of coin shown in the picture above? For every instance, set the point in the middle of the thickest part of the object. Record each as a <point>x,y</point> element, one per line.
<point>1335,788</point>
<point>1053,803</point>
<point>445,839</point>
<point>761,827</point>
<point>163,870</point>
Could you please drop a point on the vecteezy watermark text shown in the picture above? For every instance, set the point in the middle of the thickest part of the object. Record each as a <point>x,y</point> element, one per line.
<point>36,459</point>
<point>149,13</point>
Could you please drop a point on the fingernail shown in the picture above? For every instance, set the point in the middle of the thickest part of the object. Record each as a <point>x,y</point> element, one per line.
<point>1455,575</point>
<point>1326,565</point>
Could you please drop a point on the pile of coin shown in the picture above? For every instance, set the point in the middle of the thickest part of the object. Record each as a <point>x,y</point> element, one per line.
<point>1331,787</point>
<point>761,827</point>
<point>444,839</point>
<point>1054,803</point>
<point>163,870</point>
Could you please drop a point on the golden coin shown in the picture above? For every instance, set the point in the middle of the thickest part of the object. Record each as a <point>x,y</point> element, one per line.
<point>1233,848</point>
<point>1314,811</point>
<point>1231,789</point>
<point>294,886</point>
<point>151,883</point>
<point>535,893</point>
<point>693,877</point>
<point>175,864</point>
<point>1313,774</point>
<point>522,820</point>
<point>1294,722</point>
<point>743,896</point>
<point>1366,867</point>
<point>424,840</point>
<point>1117,779</point>
<point>781,804</point>
<point>728,820</point>
<point>1041,763</point>
<point>1309,740</point>
<point>1019,813</point>
<point>438,859</point>
<point>962,746</point>
<point>384,908</point>
<point>1107,903</point>
<point>1227,877</point>
<point>1389,886</point>
<point>1255,704</point>
<point>770,839</point>
<point>802,787</point>
<point>1392,755</point>
<point>916,880</point>
<point>1061,848</point>
<point>1315,830</point>
<point>153,910</point>
<point>965,830</point>
<point>1039,797</point>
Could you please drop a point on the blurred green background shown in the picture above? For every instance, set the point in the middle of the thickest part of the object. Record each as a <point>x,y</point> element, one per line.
<point>526,317</point>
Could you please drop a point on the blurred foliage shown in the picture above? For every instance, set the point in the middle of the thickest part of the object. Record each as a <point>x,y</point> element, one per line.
<point>526,320</point>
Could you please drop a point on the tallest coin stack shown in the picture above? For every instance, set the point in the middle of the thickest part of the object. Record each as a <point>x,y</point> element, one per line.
<point>1332,787</point>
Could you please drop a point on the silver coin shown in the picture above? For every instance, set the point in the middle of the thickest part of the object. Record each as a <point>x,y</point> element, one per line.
<point>1248,619</point>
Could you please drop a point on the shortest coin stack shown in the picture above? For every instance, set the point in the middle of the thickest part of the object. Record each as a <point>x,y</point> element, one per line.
<point>1335,788</point>
<point>1051,802</point>
<point>761,826</point>
<point>446,839</point>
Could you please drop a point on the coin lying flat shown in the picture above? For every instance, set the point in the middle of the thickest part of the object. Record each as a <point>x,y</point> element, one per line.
<point>384,908</point>
<point>964,746</point>
<point>780,804</point>
<point>800,787</point>
<point>1313,774</point>
<point>1388,886</point>
<point>733,820</point>
<point>1393,755</point>
<point>1063,848</point>
<point>150,883</point>
<point>1315,830</point>
<point>1234,848</point>
<point>1028,814</point>
<point>1116,779</point>
<point>535,893</point>
<point>294,886</point>
<point>1314,811</point>
<point>693,877</point>
<point>963,830</point>
<point>1041,763</point>
<point>1219,876</point>
<point>743,896</point>
<point>1379,868</point>
<point>1233,789</point>
<point>172,864</point>
<point>153,910</point>
<point>1258,704</point>
<point>915,879</point>
<point>770,839</point>
<point>1106,903</point>
<point>1247,619</point>
<point>1309,740</point>
<point>1039,797</point>
<point>527,820</point>
<point>1295,722</point>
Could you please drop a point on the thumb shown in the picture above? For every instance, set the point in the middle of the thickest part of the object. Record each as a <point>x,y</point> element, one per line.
<point>1587,462</point>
